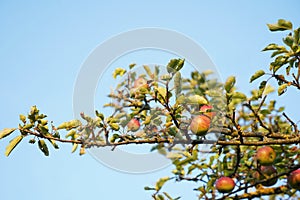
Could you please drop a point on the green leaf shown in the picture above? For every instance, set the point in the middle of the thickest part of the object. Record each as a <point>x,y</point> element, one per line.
<point>148,188</point>
<point>74,148</point>
<point>256,75</point>
<point>168,196</point>
<point>160,197</point>
<point>282,89</point>
<point>12,144</point>
<point>297,35</point>
<point>118,72</point>
<point>229,83</point>
<point>70,125</point>
<point>288,40</point>
<point>132,65</point>
<point>262,87</point>
<point>269,89</point>
<point>287,70</point>
<point>54,144</point>
<point>275,53</point>
<point>6,132</point>
<point>161,182</point>
<point>43,147</point>
<point>281,25</point>
<point>239,95</point>
<point>100,115</point>
<point>114,126</point>
<point>82,151</point>
<point>197,99</point>
<point>148,70</point>
<point>273,46</point>
<point>23,118</point>
<point>175,65</point>
<point>178,83</point>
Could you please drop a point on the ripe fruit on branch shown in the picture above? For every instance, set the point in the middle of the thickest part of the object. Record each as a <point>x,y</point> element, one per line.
<point>294,179</point>
<point>225,184</point>
<point>266,172</point>
<point>266,155</point>
<point>207,110</point>
<point>200,125</point>
<point>140,83</point>
<point>133,125</point>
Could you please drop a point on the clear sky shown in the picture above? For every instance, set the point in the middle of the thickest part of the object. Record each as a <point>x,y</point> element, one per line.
<point>43,45</point>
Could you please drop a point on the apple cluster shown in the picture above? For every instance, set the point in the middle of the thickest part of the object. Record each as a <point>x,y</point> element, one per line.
<point>265,157</point>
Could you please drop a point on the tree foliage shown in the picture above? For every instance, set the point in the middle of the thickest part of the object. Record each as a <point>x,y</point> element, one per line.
<point>164,103</point>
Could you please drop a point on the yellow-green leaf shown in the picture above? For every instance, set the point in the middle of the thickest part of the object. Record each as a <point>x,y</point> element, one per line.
<point>273,46</point>
<point>197,99</point>
<point>6,132</point>
<point>148,70</point>
<point>175,65</point>
<point>132,65</point>
<point>43,147</point>
<point>229,83</point>
<point>256,75</point>
<point>281,25</point>
<point>82,151</point>
<point>118,72</point>
<point>161,182</point>
<point>114,126</point>
<point>12,144</point>
<point>282,89</point>
<point>74,147</point>
<point>23,118</point>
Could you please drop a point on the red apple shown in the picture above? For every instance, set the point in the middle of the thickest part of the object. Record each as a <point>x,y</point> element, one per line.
<point>133,125</point>
<point>266,172</point>
<point>225,184</point>
<point>200,124</point>
<point>266,155</point>
<point>140,82</point>
<point>294,179</point>
<point>206,110</point>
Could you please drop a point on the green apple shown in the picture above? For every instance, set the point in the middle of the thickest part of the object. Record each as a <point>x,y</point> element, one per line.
<point>225,184</point>
<point>266,155</point>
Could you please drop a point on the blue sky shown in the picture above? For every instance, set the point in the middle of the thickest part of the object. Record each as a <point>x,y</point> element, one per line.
<point>43,45</point>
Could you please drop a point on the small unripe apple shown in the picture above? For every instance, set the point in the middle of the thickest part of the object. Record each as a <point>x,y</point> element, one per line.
<point>206,110</point>
<point>294,179</point>
<point>266,171</point>
<point>225,184</point>
<point>200,124</point>
<point>140,82</point>
<point>266,155</point>
<point>133,125</point>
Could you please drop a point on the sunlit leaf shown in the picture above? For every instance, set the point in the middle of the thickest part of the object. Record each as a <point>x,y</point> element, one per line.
<point>12,144</point>
<point>148,70</point>
<point>148,188</point>
<point>43,147</point>
<point>281,25</point>
<point>274,46</point>
<point>6,132</point>
<point>74,148</point>
<point>118,72</point>
<point>282,89</point>
<point>256,75</point>
<point>161,182</point>
<point>229,84</point>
